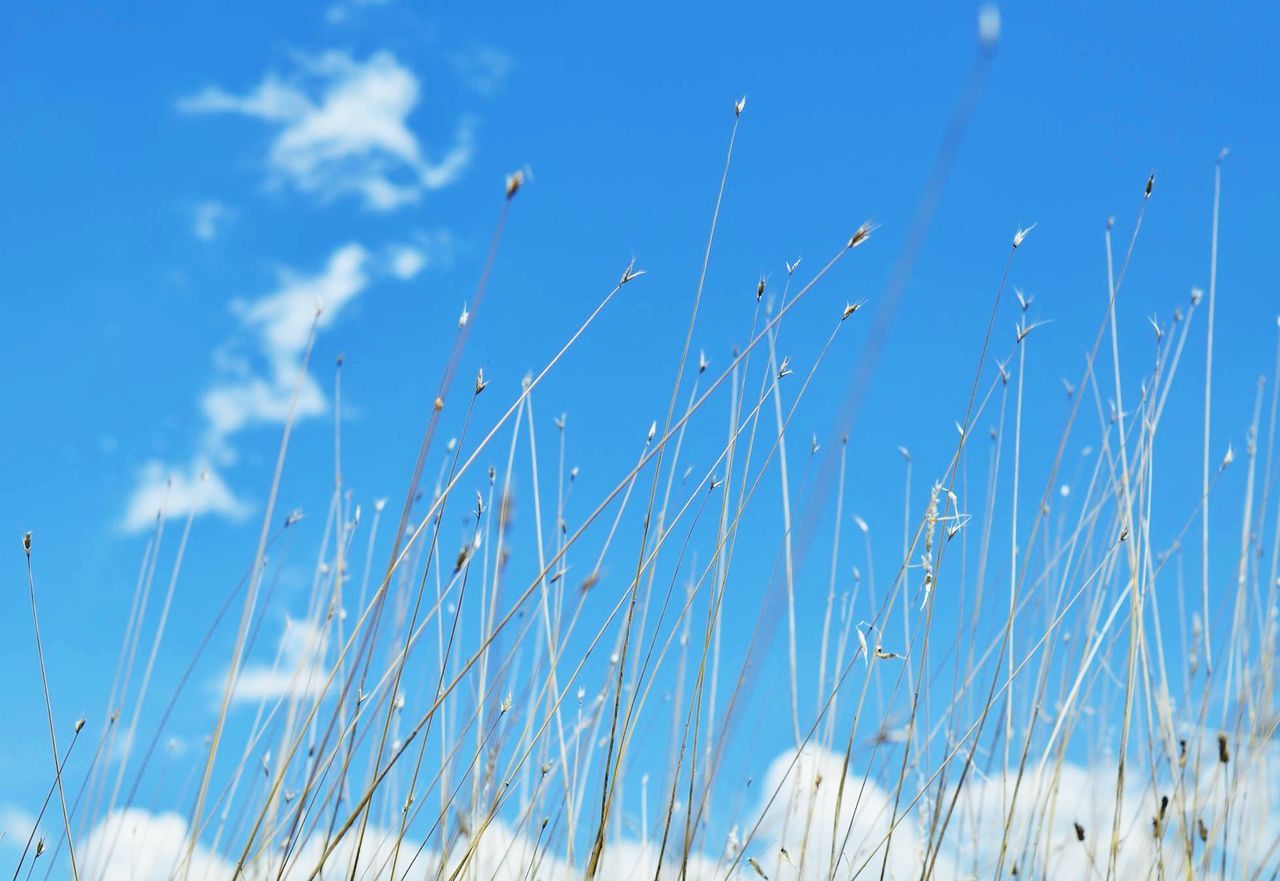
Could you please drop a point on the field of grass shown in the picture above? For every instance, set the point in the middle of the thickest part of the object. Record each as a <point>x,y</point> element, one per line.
<point>1055,674</point>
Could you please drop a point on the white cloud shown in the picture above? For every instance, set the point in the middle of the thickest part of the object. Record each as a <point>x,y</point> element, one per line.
<point>793,835</point>
<point>483,69</point>
<point>135,845</point>
<point>342,129</point>
<point>284,318</point>
<point>15,827</point>
<point>280,324</point>
<point>257,374</point>
<point>298,670</point>
<point>407,261</point>
<point>340,12</point>
<point>208,220</point>
<point>195,489</point>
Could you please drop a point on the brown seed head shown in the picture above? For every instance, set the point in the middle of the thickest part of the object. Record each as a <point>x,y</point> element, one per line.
<point>860,235</point>
<point>514,180</point>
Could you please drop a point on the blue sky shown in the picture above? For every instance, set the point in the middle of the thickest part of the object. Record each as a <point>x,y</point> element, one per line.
<point>177,177</point>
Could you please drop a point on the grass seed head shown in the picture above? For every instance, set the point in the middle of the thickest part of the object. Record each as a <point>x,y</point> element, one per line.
<point>1020,236</point>
<point>26,543</point>
<point>1228,458</point>
<point>514,180</point>
<point>630,272</point>
<point>860,235</point>
<point>739,106</point>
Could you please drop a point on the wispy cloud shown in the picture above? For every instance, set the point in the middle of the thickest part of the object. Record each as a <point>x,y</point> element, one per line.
<point>15,827</point>
<point>341,12</point>
<point>406,260</point>
<point>483,69</point>
<point>298,670</point>
<point>280,325</point>
<point>209,219</point>
<point>196,489</point>
<point>342,129</point>
<point>257,373</point>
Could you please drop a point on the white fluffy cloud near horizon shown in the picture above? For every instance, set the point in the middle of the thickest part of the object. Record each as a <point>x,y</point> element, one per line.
<point>788,836</point>
<point>341,128</point>
<point>258,373</point>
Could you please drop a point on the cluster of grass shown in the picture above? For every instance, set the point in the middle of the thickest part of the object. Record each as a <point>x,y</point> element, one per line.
<point>485,705</point>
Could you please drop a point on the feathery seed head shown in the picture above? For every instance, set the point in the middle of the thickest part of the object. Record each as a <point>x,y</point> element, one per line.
<point>1228,458</point>
<point>860,235</point>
